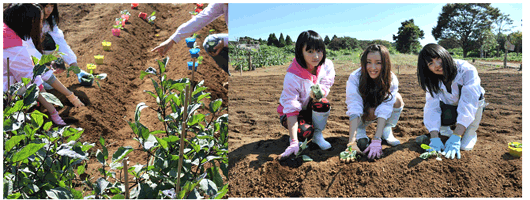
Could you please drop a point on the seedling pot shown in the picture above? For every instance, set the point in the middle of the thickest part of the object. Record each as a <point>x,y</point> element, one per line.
<point>116,32</point>
<point>85,79</point>
<point>211,44</point>
<point>142,15</point>
<point>134,5</point>
<point>106,45</point>
<point>190,42</point>
<point>515,151</point>
<point>190,64</point>
<point>195,52</point>
<point>125,18</point>
<point>99,59</point>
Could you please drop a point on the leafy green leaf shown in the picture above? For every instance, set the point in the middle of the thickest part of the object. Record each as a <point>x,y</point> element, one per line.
<point>424,146</point>
<point>215,105</point>
<point>139,108</point>
<point>59,193</point>
<point>17,107</point>
<point>306,158</point>
<point>100,157</point>
<point>221,193</point>
<point>162,143</point>
<point>118,196</point>
<point>27,151</point>
<point>31,95</point>
<point>13,141</point>
<point>101,185</point>
<point>121,153</point>
<point>80,169</point>
<point>14,196</point>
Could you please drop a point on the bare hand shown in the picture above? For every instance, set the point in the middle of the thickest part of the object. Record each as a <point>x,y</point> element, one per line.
<point>164,47</point>
<point>217,48</point>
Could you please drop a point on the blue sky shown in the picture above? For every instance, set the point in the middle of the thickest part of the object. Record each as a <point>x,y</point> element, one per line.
<point>358,20</point>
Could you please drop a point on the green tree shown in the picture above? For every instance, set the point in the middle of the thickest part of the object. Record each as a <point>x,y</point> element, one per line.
<point>288,40</point>
<point>449,43</point>
<point>334,37</point>
<point>502,24</point>
<point>487,43</point>
<point>327,40</point>
<point>272,41</point>
<point>408,37</point>
<point>516,38</point>
<point>281,41</point>
<point>465,22</point>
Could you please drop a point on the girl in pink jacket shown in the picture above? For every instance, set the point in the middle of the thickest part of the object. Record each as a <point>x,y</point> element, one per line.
<point>302,111</point>
<point>22,24</point>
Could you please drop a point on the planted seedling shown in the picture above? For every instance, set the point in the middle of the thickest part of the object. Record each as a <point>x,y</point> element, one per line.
<point>303,146</point>
<point>116,30</point>
<point>142,15</point>
<point>99,59</point>
<point>428,154</point>
<point>516,149</point>
<point>106,45</point>
<point>125,15</point>
<point>349,155</point>
<point>151,18</point>
<point>134,5</point>
<point>120,21</point>
<point>87,79</point>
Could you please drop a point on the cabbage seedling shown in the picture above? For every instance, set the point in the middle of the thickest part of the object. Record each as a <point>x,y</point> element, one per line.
<point>427,155</point>
<point>151,17</point>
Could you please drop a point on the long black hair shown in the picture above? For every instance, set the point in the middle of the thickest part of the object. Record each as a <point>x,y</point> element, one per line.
<point>426,78</point>
<point>25,20</point>
<point>313,41</point>
<point>53,19</point>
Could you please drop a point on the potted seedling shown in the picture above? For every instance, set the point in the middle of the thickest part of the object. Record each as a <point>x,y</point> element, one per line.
<point>134,5</point>
<point>516,149</point>
<point>106,45</point>
<point>428,154</point>
<point>86,79</point>
<point>151,18</point>
<point>142,15</point>
<point>99,59</point>
<point>116,30</point>
<point>120,21</point>
<point>199,5</point>
<point>195,52</point>
<point>190,42</point>
<point>349,155</point>
<point>125,15</point>
<point>212,43</point>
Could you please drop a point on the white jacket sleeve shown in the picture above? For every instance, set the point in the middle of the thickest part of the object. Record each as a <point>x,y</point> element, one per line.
<point>469,98</point>
<point>20,65</point>
<point>290,95</point>
<point>354,101</point>
<point>432,113</point>
<point>210,13</point>
<point>384,110</point>
<point>58,37</point>
<point>329,77</point>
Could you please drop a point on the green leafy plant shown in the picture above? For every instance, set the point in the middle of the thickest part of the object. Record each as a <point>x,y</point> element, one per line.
<point>349,153</point>
<point>125,12</point>
<point>427,155</point>
<point>91,77</point>
<point>40,161</point>
<point>151,18</point>
<point>119,26</point>
<point>303,146</point>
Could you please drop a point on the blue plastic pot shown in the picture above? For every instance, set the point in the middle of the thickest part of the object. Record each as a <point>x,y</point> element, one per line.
<point>195,52</point>
<point>190,64</point>
<point>190,42</point>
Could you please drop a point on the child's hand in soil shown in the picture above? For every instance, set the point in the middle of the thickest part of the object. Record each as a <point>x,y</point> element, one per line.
<point>452,147</point>
<point>293,148</point>
<point>375,150</point>
<point>436,145</point>
<point>351,153</point>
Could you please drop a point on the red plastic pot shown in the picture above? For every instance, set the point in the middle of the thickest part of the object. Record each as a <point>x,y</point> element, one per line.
<point>116,31</point>
<point>125,17</point>
<point>134,5</point>
<point>142,15</point>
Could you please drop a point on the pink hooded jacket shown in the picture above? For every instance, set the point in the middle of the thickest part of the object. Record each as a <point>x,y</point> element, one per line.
<point>20,63</point>
<point>297,86</point>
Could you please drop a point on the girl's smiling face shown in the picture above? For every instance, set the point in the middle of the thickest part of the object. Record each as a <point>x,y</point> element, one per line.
<point>48,10</point>
<point>436,66</point>
<point>373,64</point>
<point>312,57</point>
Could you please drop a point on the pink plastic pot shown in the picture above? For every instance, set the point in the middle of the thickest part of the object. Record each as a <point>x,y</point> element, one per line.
<point>125,17</point>
<point>142,15</point>
<point>116,31</point>
<point>134,5</point>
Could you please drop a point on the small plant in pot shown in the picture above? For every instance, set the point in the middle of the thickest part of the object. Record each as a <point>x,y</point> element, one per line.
<point>86,79</point>
<point>211,44</point>
<point>125,15</point>
<point>106,45</point>
<point>116,30</point>
<point>120,21</point>
<point>99,59</point>
<point>190,42</point>
<point>151,18</point>
<point>134,5</point>
<point>142,15</point>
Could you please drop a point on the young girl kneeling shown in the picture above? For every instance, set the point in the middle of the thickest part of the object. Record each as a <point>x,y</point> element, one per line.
<point>303,112</point>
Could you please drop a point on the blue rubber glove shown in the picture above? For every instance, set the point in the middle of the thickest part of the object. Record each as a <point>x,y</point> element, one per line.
<point>436,145</point>
<point>452,147</point>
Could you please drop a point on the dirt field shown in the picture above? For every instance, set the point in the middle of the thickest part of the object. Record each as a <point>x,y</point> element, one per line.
<point>85,26</point>
<point>257,138</point>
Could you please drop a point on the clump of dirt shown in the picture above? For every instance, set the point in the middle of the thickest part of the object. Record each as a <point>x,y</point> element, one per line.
<point>107,109</point>
<point>257,138</point>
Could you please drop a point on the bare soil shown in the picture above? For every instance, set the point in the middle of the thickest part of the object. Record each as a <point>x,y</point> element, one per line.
<point>109,108</point>
<point>257,138</point>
